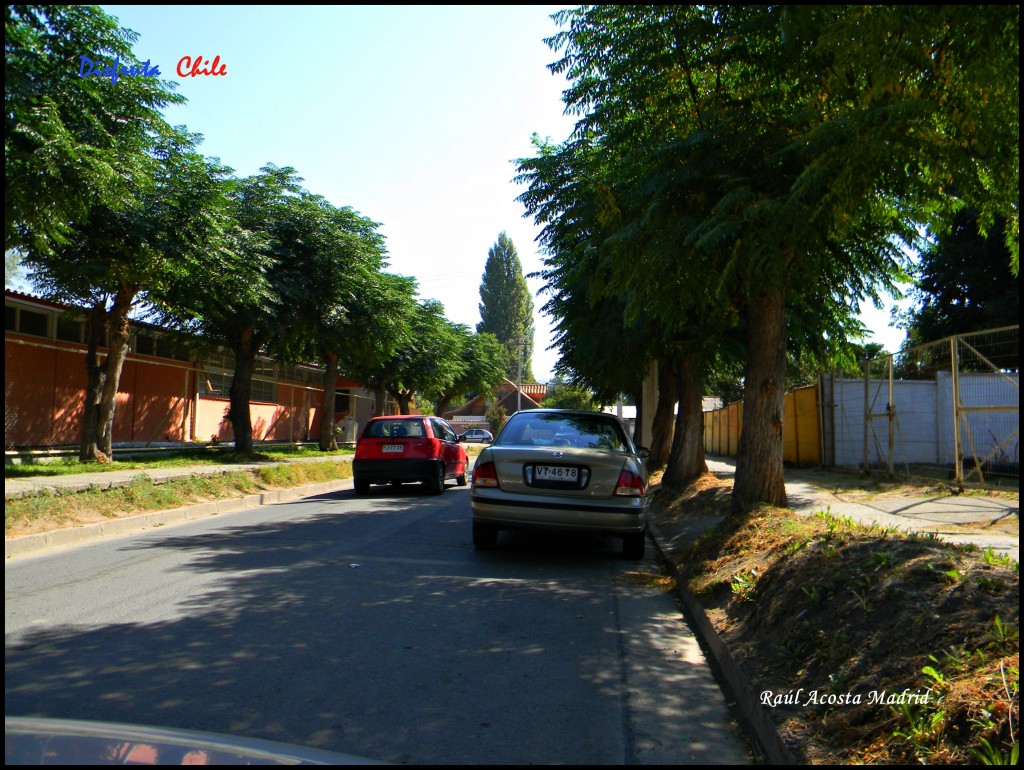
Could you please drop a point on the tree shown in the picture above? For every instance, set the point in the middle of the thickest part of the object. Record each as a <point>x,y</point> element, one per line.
<point>963,283</point>
<point>429,362</point>
<point>71,142</point>
<point>771,169</point>
<point>562,394</point>
<point>122,258</point>
<point>506,307</point>
<point>13,271</point>
<point>239,299</point>
<point>482,368</point>
<point>340,308</point>
<point>362,334</point>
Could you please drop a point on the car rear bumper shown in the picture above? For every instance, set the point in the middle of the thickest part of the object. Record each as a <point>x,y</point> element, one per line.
<point>383,471</point>
<point>620,515</point>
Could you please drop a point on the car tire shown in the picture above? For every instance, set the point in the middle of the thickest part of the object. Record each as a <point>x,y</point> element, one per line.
<point>362,486</point>
<point>485,536</point>
<point>435,484</point>
<point>633,546</point>
<point>461,479</point>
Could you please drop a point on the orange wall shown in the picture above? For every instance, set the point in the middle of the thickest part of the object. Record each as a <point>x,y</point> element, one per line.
<point>801,428</point>
<point>44,385</point>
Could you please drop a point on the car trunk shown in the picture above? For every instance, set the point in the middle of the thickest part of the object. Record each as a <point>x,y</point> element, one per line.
<point>554,471</point>
<point>398,448</point>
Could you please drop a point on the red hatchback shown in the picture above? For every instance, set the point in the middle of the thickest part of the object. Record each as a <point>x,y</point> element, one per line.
<point>392,450</point>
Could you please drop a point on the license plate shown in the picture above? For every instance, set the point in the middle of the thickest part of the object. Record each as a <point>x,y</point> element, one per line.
<point>555,473</point>
<point>392,448</point>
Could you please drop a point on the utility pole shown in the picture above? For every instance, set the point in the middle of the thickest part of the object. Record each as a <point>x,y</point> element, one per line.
<point>519,375</point>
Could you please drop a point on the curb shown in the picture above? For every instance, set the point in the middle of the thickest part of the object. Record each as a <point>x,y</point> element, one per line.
<point>754,718</point>
<point>59,538</point>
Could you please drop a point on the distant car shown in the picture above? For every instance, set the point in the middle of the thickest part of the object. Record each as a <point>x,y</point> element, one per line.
<point>393,450</point>
<point>477,434</point>
<point>561,470</point>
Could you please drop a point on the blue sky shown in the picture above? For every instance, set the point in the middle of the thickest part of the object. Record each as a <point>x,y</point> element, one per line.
<point>412,116</point>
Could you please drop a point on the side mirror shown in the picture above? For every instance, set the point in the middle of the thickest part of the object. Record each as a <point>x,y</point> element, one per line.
<point>643,452</point>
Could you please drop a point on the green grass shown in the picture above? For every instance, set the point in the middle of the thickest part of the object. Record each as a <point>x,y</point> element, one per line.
<point>209,456</point>
<point>54,510</point>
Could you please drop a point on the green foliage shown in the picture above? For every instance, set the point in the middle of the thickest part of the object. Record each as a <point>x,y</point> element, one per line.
<point>71,142</point>
<point>481,369</point>
<point>506,307</point>
<point>496,417</point>
<point>963,283</point>
<point>564,395</point>
<point>749,175</point>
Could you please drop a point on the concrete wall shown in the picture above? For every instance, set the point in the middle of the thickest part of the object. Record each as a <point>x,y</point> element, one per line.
<point>923,427</point>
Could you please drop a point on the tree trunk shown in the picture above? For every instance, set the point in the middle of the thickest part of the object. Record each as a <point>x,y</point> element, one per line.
<point>759,476</point>
<point>638,424</point>
<point>404,399</point>
<point>379,399</point>
<point>119,334</point>
<point>686,460</point>
<point>442,404</point>
<point>95,373</point>
<point>328,439</point>
<point>661,428</point>
<point>245,348</point>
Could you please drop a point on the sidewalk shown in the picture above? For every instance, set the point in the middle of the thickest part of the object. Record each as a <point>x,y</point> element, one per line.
<point>78,482</point>
<point>987,521</point>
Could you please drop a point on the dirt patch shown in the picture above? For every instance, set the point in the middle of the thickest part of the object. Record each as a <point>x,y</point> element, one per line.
<point>866,645</point>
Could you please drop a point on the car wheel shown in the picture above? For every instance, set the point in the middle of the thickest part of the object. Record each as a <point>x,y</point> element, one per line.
<point>362,486</point>
<point>485,536</point>
<point>435,484</point>
<point>633,546</point>
<point>461,480</point>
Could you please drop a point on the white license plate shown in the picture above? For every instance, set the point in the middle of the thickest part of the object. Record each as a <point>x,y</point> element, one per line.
<point>392,448</point>
<point>555,473</point>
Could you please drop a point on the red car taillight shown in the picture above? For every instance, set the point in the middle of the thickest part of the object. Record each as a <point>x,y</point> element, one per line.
<point>629,485</point>
<point>485,475</point>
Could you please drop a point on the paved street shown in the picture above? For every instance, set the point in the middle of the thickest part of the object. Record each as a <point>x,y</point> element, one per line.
<point>367,626</point>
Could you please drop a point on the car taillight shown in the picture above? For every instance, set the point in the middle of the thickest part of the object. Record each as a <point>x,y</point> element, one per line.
<point>629,485</point>
<point>485,475</point>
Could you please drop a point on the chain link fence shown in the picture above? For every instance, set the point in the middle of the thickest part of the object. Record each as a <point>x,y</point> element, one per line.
<point>948,409</point>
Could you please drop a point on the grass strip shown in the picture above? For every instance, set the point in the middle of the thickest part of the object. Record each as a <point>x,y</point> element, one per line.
<point>44,512</point>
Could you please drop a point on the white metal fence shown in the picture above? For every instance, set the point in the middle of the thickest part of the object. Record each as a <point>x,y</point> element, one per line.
<point>948,409</point>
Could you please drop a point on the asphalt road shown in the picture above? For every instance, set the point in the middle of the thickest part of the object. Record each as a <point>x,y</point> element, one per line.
<point>368,626</point>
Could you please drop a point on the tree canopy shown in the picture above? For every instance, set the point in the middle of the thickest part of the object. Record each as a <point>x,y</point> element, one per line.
<point>963,283</point>
<point>743,178</point>
<point>71,142</point>
<point>506,307</point>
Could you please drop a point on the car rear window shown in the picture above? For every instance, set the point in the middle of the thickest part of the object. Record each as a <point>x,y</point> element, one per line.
<point>395,429</point>
<point>582,431</point>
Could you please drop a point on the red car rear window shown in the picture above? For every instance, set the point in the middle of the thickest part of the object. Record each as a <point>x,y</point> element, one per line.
<point>395,429</point>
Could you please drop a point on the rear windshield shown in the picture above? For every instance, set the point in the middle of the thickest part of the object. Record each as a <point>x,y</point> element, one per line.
<point>395,429</point>
<point>583,431</point>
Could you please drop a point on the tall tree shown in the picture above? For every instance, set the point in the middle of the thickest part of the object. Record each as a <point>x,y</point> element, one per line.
<point>506,307</point>
<point>963,283</point>
<point>792,162</point>
<point>241,300</point>
<point>121,258</point>
<point>71,142</point>
<point>482,368</point>
<point>339,306</point>
<point>430,362</point>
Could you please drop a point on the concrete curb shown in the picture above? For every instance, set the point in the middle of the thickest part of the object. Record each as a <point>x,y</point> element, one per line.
<point>61,538</point>
<point>755,719</point>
